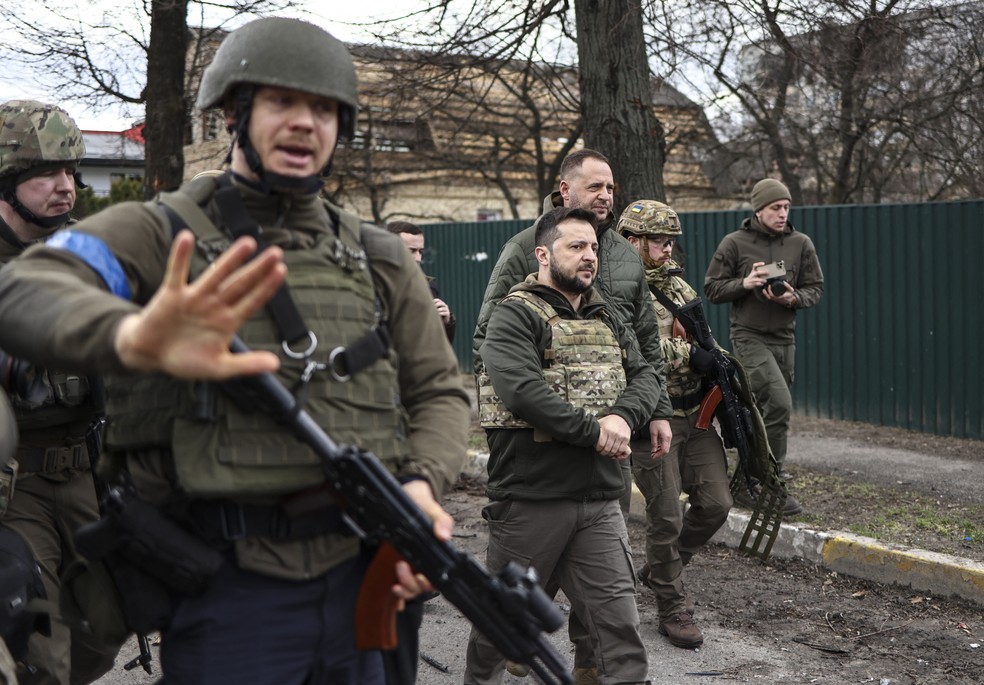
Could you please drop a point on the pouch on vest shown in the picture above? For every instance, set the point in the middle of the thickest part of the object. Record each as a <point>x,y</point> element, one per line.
<point>137,533</point>
<point>90,598</point>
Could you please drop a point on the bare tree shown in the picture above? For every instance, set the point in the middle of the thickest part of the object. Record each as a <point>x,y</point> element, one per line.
<point>135,53</point>
<point>617,97</point>
<point>845,100</point>
<point>535,39</point>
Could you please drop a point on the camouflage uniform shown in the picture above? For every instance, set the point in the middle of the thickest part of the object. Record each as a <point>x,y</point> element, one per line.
<point>54,492</point>
<point>696,462</point>
<point>555,499</point>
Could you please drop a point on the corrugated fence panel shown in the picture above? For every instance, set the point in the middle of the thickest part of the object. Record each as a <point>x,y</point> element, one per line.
<point>896,339</point>
<point>461,257</point>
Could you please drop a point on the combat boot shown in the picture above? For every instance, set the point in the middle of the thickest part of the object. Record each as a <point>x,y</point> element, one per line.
<point>682,631</point>
<point>586,676</point>
<point>746,500</point>
<point>518,670</point>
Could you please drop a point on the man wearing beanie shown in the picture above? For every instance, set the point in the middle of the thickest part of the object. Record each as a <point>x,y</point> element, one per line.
<point>763,319</point>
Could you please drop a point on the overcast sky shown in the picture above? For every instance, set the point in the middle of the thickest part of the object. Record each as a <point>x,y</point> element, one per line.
<point>342,24</point>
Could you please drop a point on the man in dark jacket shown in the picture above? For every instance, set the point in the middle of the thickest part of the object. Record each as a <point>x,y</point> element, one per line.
<point>767,251</point>
<point>413,237</point>
<point>566,385</point>
<point>586,182</point>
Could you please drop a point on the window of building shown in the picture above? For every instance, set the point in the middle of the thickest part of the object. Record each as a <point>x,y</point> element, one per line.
<point>490,215</point>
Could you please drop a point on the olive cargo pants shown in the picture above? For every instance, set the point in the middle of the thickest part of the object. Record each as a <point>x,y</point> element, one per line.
<point>47,512</point>
<point>584,547</point>
<point>770,371</point>
<point>696,464</point>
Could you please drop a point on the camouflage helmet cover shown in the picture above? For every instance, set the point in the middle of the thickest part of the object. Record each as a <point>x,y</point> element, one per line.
<point>284,53</point>
<point>649,217</point>
<point>35,134</point>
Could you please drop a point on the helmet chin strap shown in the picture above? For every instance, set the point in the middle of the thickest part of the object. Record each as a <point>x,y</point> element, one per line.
<point>647,261</point>
<point>269,181</point>
<point>9,195</point>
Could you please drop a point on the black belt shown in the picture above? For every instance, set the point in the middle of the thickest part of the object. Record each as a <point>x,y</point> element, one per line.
<point>687,401</point>
<point>52,459</point>
<point>225,520</point>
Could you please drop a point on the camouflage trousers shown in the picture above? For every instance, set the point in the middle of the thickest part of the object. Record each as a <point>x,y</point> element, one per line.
<point>696,464</point>
<point>47,513</point>
<point>770,371</point>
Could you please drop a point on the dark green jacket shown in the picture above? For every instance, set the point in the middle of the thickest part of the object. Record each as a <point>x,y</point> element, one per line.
<point>753,316</point>
<point>556,459</point>
<point>621,281</point>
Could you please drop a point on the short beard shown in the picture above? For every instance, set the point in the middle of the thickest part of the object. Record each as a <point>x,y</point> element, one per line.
<point>568,283</point>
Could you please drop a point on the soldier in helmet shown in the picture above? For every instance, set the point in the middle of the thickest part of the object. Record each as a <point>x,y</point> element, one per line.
<point>335,307</point>
<point>56,410</point>
<point>696,462</point>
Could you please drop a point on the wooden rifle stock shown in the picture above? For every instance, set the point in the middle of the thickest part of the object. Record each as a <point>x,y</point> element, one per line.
<point>377,606</point>
<point>708,406</point>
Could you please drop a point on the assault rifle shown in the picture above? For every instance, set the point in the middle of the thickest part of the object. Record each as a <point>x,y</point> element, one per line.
<point>510,609</point>
<point>737,431</point>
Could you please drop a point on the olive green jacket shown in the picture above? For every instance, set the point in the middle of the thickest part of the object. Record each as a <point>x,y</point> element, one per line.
<point>752,315</point>
<point>56,310</point>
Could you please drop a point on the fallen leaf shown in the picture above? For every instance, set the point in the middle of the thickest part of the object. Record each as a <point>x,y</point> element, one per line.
<point>860,594</point>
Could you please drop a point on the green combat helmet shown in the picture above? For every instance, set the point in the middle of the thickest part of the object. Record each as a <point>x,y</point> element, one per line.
<point>649,217</point>
<point>36,137</point>
<point>644,218</point>
<point>284,53</point>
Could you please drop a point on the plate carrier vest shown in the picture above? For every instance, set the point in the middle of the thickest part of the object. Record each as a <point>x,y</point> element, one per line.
<point>229,448</point>
<point>583,364</point>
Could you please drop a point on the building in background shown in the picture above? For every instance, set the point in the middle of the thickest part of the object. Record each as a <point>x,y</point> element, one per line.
<point>111,156</point>
<point>451,138</point>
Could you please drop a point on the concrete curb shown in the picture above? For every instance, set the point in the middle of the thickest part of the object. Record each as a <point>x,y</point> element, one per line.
<point>852,555</point>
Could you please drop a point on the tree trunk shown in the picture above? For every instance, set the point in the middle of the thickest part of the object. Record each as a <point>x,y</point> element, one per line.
<point>165,103</point>
<point>616,97</point>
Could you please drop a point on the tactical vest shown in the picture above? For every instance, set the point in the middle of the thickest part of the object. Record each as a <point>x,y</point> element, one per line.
<point>225,444</point>
<point>681,380</point>
<point>583,364</point>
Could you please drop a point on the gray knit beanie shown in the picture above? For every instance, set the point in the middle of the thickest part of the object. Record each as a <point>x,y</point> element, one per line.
<point>767,191</point>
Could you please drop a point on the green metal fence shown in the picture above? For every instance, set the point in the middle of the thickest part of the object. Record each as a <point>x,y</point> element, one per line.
<point>896,339</point>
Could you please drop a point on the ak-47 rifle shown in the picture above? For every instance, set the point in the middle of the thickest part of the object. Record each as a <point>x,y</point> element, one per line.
<point>737,431</point>
<point>510,609</point>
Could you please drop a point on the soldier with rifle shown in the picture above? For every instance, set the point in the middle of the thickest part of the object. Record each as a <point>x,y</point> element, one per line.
<point>50,484</point>
<point>233,538</point>
<point>696,463</point>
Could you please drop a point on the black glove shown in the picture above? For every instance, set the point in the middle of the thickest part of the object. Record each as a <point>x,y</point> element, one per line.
<point>701,360</point>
